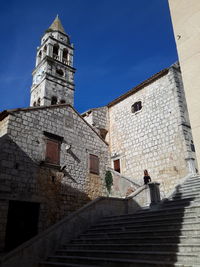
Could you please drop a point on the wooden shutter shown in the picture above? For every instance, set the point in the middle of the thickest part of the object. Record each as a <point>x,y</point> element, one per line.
<point>52,151</point>
<point>94,164</point>
<point>117,165</point>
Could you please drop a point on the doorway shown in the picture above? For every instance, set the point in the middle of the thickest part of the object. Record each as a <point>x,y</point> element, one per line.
<point>22,223</point>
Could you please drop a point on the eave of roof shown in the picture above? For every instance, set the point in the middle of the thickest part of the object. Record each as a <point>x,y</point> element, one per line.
<point>5,113</point>
<point>139,87</point>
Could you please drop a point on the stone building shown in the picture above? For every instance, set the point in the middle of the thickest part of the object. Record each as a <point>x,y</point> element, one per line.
<point>53,160</point>
<point>186,24</point>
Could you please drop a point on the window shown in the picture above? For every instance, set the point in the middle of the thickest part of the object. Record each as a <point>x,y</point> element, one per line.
<point>192,146</point>
<point>60,72</point>
<point>136,106</point>
<point>62,101</point>
<point>55,51</point>
<point>45,49</point>
<point>94,164</point>
<point>116,164</point>
<point>38,102</point>
<point>54,100</point>
<point>65,55</point>
<point>53,144</point>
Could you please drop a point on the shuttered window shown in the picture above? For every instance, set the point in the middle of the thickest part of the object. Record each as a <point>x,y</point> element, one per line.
<point>52,151</point>
<point>94,164</point>
<point>117,165</point>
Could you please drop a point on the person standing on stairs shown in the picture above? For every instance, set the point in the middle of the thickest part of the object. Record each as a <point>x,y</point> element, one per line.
<point>147,178</point>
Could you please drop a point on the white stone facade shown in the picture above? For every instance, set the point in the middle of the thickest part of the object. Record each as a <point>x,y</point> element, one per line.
<point>158,136</point>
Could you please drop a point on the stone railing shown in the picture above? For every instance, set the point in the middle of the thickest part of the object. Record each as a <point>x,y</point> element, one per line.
<point>122,186</point>
<point>41,246</point>
<point>146,195</point>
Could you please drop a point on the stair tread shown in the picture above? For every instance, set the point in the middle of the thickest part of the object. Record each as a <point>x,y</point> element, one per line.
<point>143,231</point>
<point>148,212</point>
<point>128,252</point>
<point>133,245</point>
<point>94,228</point>
<point>161,263</point>
<point>138,237</point>
<point>67,264</point>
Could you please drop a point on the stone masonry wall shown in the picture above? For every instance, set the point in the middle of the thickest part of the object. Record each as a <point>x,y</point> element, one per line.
<point>152,138</point>
<point>24,175</point>
<point>98,119</point>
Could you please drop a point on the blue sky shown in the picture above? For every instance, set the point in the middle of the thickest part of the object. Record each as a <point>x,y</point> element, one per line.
<point>118,44</point>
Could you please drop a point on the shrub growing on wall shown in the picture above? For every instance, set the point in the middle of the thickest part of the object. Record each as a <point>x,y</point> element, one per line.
<point>109,181</point>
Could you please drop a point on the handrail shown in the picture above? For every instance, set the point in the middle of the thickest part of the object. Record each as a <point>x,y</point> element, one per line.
<point>124,177</point>
<point>137,191</point>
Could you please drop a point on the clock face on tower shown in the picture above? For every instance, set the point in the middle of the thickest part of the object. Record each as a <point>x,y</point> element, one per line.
<point>38,75</point>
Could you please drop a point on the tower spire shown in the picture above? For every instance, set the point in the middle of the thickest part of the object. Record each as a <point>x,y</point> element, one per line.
<point>57,25</point>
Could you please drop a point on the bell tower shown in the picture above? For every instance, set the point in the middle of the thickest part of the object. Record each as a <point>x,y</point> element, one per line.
<point>53,76</point>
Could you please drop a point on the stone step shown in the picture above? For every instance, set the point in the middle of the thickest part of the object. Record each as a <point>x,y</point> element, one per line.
<point>140,240</point>
<point>150,225</point>
<point>167,213</point>
<point>145,233</point>
<point>147,255</point>
<point>180,201</point>
<point>184,196</point>
<point>113,262</point>
<point>160,209</point>
<point>188,187</point>
<point>46,263</point>
<point>192,183</point>
<point>144,221</point>
<point>136,247</point>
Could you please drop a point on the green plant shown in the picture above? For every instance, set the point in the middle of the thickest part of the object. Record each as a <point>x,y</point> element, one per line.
<point>108,180</point>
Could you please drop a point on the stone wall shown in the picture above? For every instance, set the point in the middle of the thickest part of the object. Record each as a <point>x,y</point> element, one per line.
<point>25,176</point>
<point>152,138</point>
<point>98,119</point>
<point>186,23</point>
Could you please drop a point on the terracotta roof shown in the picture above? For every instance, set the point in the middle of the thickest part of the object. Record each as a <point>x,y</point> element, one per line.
<point>57,25</point>
<point>139,87</point>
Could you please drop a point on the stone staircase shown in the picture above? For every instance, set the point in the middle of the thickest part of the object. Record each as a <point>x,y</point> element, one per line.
<point>166,235</point>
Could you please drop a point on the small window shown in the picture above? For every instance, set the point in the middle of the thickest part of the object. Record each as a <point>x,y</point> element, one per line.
<point>94,164</point>
<point>62,101</point>
<point>192,146</point>
<point>45,49</point>
<point>60,72</point>
<point>136,106</point>
<point>38,102</point>
<point>54,100</point>
<point>34,104</point>
<point>116,165</point>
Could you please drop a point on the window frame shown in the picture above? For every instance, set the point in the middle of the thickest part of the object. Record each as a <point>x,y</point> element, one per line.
<point>49,137</point>
<point>94,164</point>
<point>134,107</point>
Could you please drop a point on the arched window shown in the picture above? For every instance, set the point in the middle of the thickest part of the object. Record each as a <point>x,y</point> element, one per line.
<point>45,49</point>
<point>62,101</point>
<point>54,100</point>
<point>65,55</point>
<point>38,102</point>
<point>34,104</point>
<point>192,146</point>
<point>60,72</point>
<point>39,56</point>
<point>136,106</point>
<point>55,51</point>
